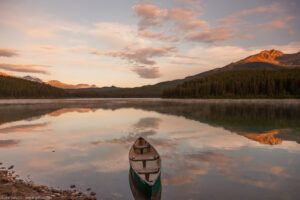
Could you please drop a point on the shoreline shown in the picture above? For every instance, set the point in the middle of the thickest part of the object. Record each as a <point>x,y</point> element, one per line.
<point>12,187</point>
<point>179,100</point>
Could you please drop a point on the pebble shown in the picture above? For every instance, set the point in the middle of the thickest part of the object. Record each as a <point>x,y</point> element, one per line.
<point>72,186</point>
<point>11,167</point>
<point>88,189</point>
<point>54,190</point>
<point>48,198</point>
<point>75,193</point>
<point>93,193</point>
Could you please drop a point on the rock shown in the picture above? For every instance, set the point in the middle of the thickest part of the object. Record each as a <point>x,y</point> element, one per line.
<point>93,193</point>
<point>54,190</point>
<point>4,180</point>
<point>11,167</point>
<point>75,193</point>
<point>72,186</point>
<point>88,189</point>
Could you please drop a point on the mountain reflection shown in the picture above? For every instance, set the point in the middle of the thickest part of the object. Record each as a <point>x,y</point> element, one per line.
<point>265,122</point>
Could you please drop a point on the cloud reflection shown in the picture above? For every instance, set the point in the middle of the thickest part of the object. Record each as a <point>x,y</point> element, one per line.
<point>9,143</point>
<point>25,128</point>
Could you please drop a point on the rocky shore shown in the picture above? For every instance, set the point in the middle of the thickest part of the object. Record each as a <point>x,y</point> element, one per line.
<point>11,187</point>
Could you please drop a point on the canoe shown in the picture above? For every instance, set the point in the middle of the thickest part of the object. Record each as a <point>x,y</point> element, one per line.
<point>145,166</point>
<point>138,194</point>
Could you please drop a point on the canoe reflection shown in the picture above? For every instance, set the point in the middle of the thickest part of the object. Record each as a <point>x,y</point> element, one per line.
<point>138,194</point>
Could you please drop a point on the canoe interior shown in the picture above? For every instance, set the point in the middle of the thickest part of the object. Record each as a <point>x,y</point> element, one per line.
<point>145,161</point>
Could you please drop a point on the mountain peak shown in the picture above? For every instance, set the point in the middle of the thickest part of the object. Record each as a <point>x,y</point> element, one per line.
<point>3,74</point>
<point>59,84</point>
<point>31,78</point>
<point>265,56</point>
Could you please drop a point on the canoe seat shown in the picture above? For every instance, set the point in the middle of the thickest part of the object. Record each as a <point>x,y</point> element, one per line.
<point>141,146</point>
<point>148,171</point>
<point>144,158</point>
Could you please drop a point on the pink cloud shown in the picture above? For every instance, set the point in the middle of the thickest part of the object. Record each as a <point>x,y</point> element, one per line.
<point>147,72</point>
<point>186,19</point>
<point>243,13</point>
<point>180,14</point>
<point>213,35</point>
<point>279,23</point>
<point>8,52</point>
<point>158,36</point>
<point>150,15</point>
<point>140,56</point>
<point>24,68</point>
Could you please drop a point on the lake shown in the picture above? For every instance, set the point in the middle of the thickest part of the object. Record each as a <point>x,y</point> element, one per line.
<point>210,149</point>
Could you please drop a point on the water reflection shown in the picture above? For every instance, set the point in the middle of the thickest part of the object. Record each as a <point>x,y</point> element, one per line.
<point>243,150</point>
<point>138,194</point>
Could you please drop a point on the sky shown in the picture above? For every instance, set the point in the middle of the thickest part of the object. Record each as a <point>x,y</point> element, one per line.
<point>128,43</point>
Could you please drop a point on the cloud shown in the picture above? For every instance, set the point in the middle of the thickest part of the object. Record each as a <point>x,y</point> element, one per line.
<point>129,139</point>
<point>25,128</point>
<point>150,15</point>
<point>158,36</point>
<point>186,19</point>
<point>279,15</point>
<point>225,54</point>
<point>198,163</point>
<point>67,110</point>
<point>8,52</point>
<point>139,56</point>
<point>238,15</point>
<point>279,23</point>
<point>147,72</point>
<point>217,34</point>
<point>194,4</point>
<point>148,122</point>
<point>9,143</point>
<point>24,68</point>
<point>187,25</point>
<point>118,35</point>
<point>35,26</point>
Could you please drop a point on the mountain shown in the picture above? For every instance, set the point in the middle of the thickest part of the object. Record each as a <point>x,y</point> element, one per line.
<point>3,74</point>
<point>265,60</point>
<point>270,56</point>
<point>13,87</point>
<point>275,57</point>
<point>59,84</point>
<point>34,79</point>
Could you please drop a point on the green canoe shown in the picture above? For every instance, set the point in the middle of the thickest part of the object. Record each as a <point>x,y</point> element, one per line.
<point>145,165</point>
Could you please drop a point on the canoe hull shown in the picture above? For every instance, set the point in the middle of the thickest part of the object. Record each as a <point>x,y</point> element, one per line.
<point>148,190</point>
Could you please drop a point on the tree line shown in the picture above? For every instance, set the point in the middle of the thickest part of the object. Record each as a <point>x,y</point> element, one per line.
<point>283,83</point>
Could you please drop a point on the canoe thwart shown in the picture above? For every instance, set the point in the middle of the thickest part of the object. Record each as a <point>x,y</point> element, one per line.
<point>144,158</point>
<point>148,171</point>
<point>141,146</point>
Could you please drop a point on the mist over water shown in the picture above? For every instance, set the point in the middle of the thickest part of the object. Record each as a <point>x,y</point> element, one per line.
<point>210,149</point>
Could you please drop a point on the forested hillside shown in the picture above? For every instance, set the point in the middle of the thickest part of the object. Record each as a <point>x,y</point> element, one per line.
<point>11,87</point>
<point>283,83</point>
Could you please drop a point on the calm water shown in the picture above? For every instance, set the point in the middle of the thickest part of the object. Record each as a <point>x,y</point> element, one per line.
<point>210,149</point>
